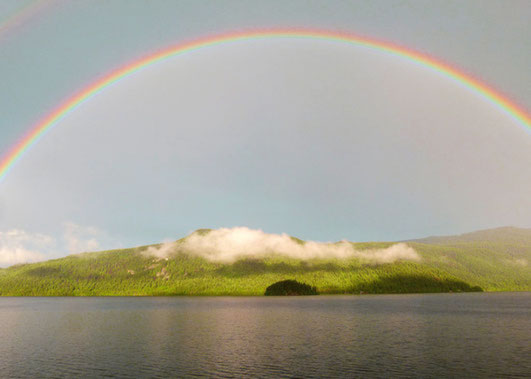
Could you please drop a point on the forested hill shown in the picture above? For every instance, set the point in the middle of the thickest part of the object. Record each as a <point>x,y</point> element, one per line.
<point>505,235</point>
<point>489,260</point>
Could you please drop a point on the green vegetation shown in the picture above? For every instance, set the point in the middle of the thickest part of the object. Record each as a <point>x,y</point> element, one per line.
<point>418,283</point>
<point>496,260</point>
<point>290,288</point>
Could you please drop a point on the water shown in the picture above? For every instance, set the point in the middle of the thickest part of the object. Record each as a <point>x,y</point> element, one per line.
<point>456,335</point>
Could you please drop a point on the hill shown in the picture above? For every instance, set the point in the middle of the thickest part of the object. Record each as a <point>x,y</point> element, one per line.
<point>489,260</point>
<point>504,235</point>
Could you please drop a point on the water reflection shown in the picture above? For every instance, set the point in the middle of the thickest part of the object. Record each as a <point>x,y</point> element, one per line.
<point>475,334</point>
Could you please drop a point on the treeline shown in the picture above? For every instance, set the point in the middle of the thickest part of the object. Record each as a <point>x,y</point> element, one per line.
<point>487,265</point>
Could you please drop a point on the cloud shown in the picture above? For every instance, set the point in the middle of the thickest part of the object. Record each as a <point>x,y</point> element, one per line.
<point>79,239</point>
<point>19,246</point>
<point>162,251</point>
<point>231,244</point>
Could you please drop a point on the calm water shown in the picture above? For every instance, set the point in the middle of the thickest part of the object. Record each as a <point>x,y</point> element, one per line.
<point>480,335</point>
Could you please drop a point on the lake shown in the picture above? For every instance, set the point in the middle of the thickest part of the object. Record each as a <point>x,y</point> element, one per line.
<point>431,335</point>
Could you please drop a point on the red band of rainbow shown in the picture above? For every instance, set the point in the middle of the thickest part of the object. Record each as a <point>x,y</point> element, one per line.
<point>501,102</point>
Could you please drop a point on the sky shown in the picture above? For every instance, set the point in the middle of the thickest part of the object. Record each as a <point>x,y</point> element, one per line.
<point>318,139</point>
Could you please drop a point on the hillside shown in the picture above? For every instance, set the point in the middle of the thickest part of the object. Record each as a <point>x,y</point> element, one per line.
<point>505,235</point>
<point>489,260</point>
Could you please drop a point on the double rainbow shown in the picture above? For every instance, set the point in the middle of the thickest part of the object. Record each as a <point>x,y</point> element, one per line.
<point>18,150</point>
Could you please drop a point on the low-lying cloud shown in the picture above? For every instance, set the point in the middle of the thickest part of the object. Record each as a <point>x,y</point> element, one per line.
<point>232,244</point>
<point>79,238</point>
<point>19,246</point>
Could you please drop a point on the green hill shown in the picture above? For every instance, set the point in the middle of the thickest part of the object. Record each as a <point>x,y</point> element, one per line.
<point>489,260</point>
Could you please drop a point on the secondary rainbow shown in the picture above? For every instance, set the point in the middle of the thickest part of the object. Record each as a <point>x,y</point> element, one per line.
<point>23,15</point>
<point>45,125</point>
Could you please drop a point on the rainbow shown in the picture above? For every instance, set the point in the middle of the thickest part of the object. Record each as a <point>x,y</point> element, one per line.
<point>23,15</point>
<point>52,119</point>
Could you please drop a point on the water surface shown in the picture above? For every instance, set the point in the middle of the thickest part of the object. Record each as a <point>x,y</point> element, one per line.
<point>472,334</point>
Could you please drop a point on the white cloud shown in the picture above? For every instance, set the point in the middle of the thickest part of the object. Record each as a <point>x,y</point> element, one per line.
<point>231,244</point>
<point>79,239</point>
<point>162,251</point>
<point>19,246</point>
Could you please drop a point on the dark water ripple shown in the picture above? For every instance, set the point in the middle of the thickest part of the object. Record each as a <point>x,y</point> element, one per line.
<point>443,335</point>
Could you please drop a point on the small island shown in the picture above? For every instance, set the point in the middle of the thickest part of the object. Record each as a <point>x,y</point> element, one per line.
<point>290,288</point>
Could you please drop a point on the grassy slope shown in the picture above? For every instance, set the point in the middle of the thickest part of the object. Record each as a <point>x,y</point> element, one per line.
<point>494,260</point>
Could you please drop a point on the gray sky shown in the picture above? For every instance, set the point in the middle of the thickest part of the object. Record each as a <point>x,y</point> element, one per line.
<point>317,139</point>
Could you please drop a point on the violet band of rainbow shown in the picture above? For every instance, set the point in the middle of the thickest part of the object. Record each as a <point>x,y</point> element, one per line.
<point>495,98</point>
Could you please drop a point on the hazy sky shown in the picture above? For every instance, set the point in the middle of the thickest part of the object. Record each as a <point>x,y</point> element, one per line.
<point>318,139</point>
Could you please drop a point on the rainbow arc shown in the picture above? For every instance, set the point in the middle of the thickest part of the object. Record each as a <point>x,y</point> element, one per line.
<point>53,118</point>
